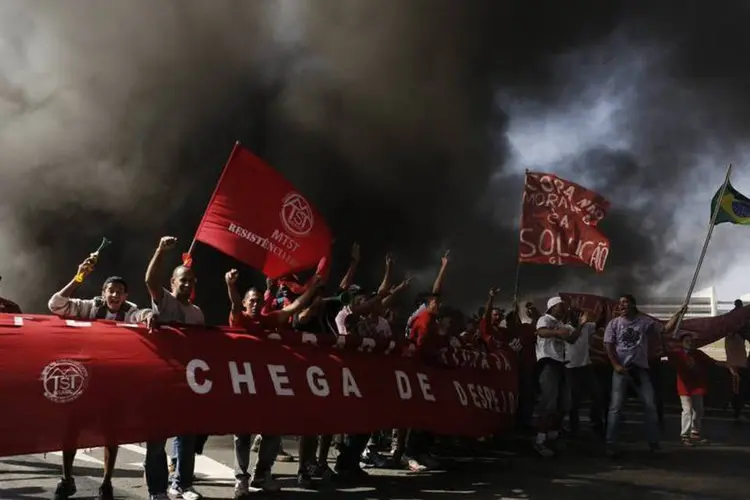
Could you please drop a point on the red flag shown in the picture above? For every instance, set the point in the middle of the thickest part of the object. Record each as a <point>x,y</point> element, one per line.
<point>259,218</point>
<point>558,223</point>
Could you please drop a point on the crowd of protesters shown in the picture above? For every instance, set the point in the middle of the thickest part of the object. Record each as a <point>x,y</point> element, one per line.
<point>556,373</point>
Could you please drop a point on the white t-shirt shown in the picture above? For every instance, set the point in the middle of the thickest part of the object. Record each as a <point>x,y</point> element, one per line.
<point>341,320</point>
<point>370,329</point>
<point>578,354</point>
<point>170,310</point>
<point>550,347</point>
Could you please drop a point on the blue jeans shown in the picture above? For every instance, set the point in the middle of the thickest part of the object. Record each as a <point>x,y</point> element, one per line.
<point>156,471</point>
<point>641,382</point>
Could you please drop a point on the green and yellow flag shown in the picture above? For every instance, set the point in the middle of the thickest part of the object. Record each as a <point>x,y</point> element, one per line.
<point>734,207</point>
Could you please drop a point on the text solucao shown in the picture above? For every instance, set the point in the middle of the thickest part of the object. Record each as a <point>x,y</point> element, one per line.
<point>551,246</point>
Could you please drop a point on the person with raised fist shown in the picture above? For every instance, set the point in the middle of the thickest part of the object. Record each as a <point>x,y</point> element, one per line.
<point>171,306</point>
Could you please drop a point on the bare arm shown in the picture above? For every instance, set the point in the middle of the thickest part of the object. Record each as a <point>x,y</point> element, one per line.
<point>437,286</point>
<point>234,296</point>
<point>612,355</point>
<point>385,285</point>
<point>348,278</point>
<point>300,303</point>
<point>153,272</point>
<point>387,301</point>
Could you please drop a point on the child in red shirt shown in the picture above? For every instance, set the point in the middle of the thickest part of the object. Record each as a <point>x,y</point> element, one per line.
<point>692,367</point>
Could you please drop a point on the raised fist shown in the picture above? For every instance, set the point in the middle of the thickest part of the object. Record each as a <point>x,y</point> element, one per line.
<point>231,276</point>
<point>167,243</point>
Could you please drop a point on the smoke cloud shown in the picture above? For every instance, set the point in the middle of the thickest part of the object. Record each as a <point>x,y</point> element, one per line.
<point>408,124</point>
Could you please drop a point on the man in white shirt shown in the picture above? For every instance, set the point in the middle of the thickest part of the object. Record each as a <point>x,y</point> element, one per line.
<point>112,305</point>
<point>171,306</point>
<point>582,379</point>
<point>552,335</point>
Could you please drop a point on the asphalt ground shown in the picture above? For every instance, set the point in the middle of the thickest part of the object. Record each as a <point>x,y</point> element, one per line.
<point>508,470</point>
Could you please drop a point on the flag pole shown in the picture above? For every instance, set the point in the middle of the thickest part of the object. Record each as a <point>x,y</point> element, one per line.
<point>518,261</point>
<point>714,215</point>
<point>210,200</point>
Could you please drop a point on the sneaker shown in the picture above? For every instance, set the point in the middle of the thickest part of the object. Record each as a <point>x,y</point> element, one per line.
<point>158,496</point>
<point>415,466</point>
<point>686,441</point>
<point>106,492</point>
<point>265,482</point>
<point>323,471</point>
<point>256,443</point>
<point>697,439</point>
<point>283,456</point>
<point>188,493</point>
<point>654,447</point>
<point>543,451</point>
<point>370,458</point>
<point>241,490</point>
<point>65,489</point>
<point>429,461</point>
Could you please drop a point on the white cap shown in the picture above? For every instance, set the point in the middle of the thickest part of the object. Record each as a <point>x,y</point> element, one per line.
<point>553,302</point>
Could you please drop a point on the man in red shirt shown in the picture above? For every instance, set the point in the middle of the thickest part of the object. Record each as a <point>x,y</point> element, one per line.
<point>692,384</point>
<point>493,334</point>
<point>246,314</point>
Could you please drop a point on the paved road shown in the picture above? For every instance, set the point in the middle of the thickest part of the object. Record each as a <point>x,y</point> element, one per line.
<point>718,471</point>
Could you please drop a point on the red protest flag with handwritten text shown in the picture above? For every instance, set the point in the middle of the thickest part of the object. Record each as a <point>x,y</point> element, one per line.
<point>558,223</point>
<point>259,218</point>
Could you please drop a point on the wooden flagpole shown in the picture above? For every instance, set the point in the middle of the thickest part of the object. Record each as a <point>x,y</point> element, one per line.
<point>705,246</point>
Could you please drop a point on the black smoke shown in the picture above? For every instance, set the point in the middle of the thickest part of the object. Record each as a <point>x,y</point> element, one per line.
<point>407,123</point>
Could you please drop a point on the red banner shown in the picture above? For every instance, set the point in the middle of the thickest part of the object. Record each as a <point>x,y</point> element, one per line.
<point>259,218</point>
<point>73,384</point>
<point>558,223</point>
<point>704,330</point>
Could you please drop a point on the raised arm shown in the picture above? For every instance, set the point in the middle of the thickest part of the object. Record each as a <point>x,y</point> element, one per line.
<point>388,300</point>
<point>283,315</point>
<point>385,285</point>
<point>234,296</point>
<point>348,278</point>
<point>437,286</point>
<point>61,303</point>
<point>155,266</point>
<point>489,305</point>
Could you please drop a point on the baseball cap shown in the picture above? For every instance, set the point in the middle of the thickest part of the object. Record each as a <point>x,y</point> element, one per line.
<point>553,302</point>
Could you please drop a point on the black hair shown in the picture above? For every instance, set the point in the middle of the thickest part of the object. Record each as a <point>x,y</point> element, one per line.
<point>630,298</point>
<point>117,280</point>
<point>738,303</point>
<point>249,291</point>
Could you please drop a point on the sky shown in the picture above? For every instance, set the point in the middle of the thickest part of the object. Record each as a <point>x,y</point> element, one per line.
<point>408,124</point>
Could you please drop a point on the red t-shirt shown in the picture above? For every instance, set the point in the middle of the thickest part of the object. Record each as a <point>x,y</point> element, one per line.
<point>692,371</point>
<point>262,322</point>
<point>424,333</point>
<point>493,336</point>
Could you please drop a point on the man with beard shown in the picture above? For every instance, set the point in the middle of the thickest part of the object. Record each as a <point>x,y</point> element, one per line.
<point>247,314</point>
<point>626,343</point>
<point>171,306</point>
<point>111,305</point>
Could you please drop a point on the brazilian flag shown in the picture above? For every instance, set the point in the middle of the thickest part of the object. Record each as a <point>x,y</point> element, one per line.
<point>734,207</point>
